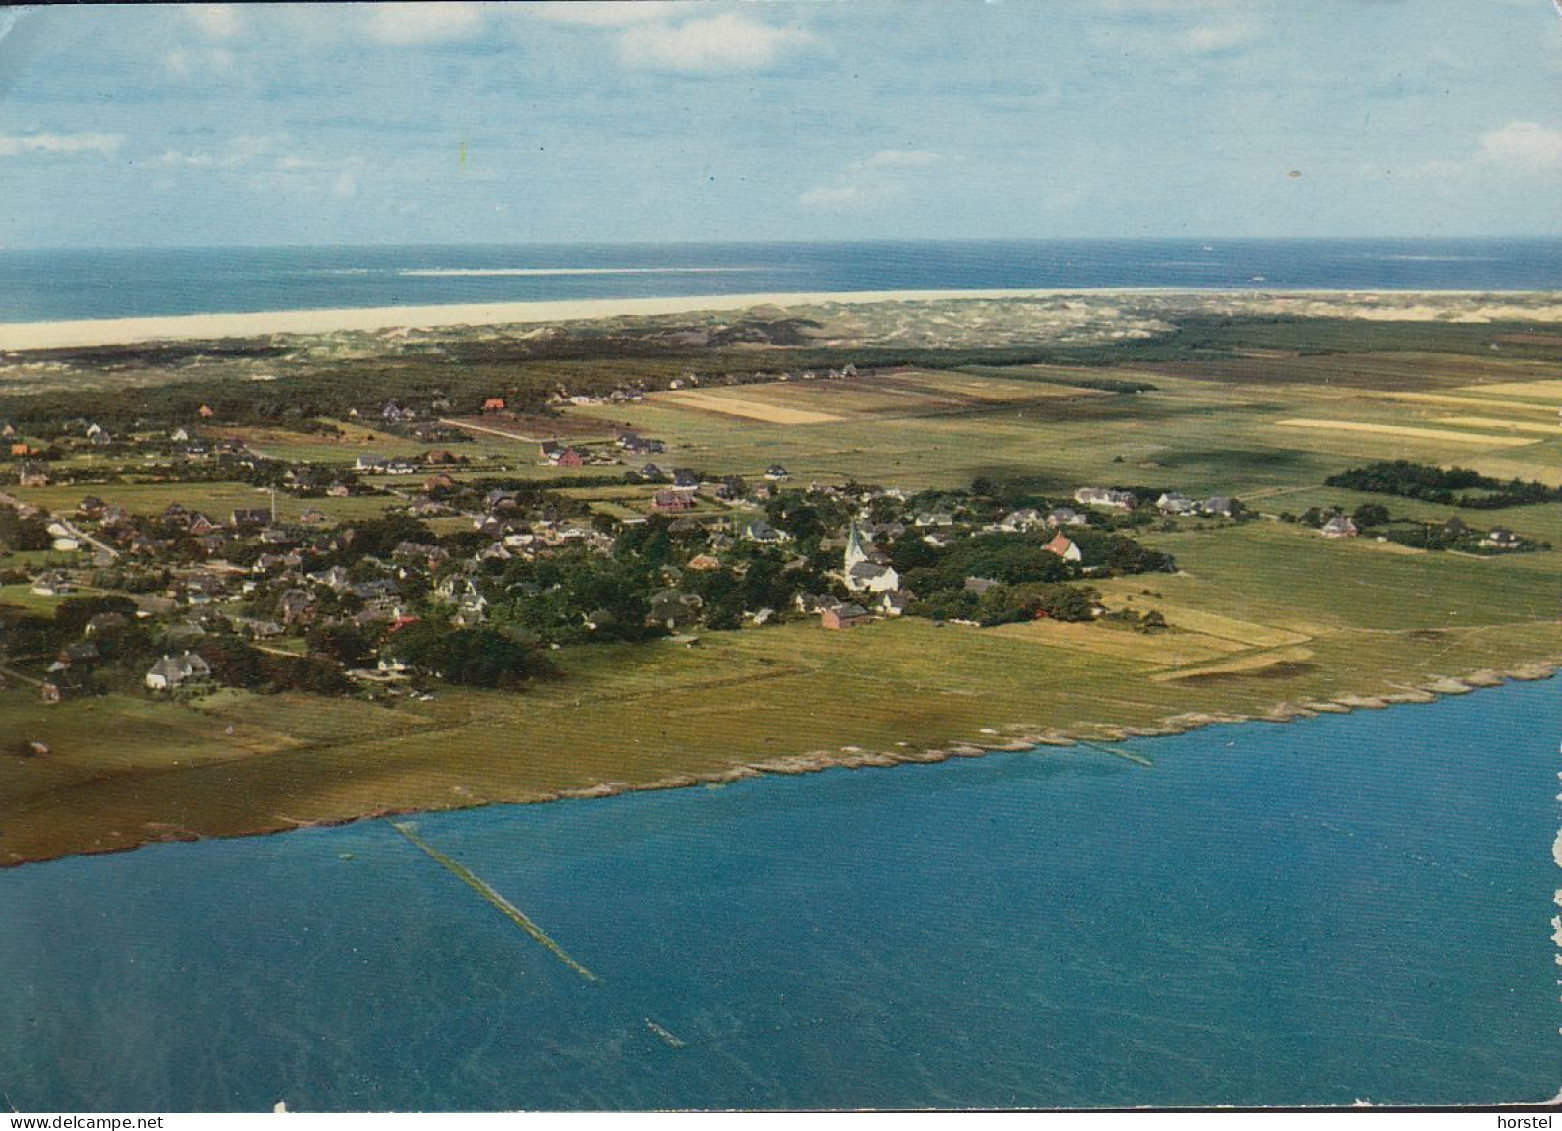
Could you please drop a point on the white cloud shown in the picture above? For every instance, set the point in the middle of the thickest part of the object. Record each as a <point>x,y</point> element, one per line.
<point>104,145</point>
<point>218,21</point>
<point>1171,5</point>
<point>405,25</point>
<point>899,159</point>
<point>602,13</point>
<point>870,180</point>
<point>1213,39</point>
<point>177,62</point>
<point>1171,28</point>
<point>183,64</point>
<point>1527,146</point>
<point>727,42</point>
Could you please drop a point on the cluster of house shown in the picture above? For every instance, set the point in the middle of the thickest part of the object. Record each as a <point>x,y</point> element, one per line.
<point>1169,503</point>
<point>1497,538</point>
<point>688,485</point>
<point>555,454</point>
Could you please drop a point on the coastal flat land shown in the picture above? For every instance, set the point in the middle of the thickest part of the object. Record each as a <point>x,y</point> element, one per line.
<point>1266,618</point>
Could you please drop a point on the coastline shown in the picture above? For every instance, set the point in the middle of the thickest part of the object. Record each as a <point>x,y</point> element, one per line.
<point>95,332</point>
<point>991,741</point>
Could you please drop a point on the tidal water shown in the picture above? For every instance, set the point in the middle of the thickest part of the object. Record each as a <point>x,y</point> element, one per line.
<point>1350,907</point>
<point>58,285</point>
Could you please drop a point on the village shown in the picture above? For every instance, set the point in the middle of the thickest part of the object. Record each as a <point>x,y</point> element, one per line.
<point>190,596</point>
<point>457,536</point>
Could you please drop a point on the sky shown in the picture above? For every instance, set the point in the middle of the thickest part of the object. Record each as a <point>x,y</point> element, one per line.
<point>213,125</point>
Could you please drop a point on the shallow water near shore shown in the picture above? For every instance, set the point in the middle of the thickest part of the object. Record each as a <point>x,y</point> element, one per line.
<point>1348,907</point>
<point>56,285</point>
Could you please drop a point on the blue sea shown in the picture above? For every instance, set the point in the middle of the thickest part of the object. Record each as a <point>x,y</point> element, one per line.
<point>46,286</point>
<point>1346,908</point>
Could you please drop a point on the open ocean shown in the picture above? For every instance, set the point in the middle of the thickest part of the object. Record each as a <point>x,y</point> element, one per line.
<point>1346,908</point>
<point>47,286</point>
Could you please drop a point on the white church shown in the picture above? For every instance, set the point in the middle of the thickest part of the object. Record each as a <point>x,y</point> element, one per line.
<point>862,573</point>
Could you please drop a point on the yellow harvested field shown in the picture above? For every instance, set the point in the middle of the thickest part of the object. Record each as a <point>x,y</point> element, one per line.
<point>749,409</point>
<point>1444,434</point>
<point>1162,649</point>
<point>1547,390</point>
<point>1456,401</point>
<point>990,388</point>
<point>1510,425</point>
<point>1247,632</point>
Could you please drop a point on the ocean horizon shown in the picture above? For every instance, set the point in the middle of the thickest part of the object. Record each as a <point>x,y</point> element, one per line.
<point>43,285</point>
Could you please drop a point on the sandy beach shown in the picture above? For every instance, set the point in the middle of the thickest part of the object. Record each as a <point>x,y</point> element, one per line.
<point>185,327</point>
<point>76,334</point>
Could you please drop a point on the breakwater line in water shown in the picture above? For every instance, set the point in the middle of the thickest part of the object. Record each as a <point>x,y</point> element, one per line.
<point>513,913</point>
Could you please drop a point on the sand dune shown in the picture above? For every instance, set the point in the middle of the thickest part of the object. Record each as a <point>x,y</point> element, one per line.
<point>1487,305</point>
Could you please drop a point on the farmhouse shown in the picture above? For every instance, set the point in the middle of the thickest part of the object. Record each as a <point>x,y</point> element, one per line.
<point>174,671</point>
<point>33,474</point>
<point>870,577</point>
<point>844,616</point>
<point>1105,497</point>
<point>675,609</point>
<point>1338,527</point>
<point>758,530</point>
<point>1063,548</point>
<point>672,501</point>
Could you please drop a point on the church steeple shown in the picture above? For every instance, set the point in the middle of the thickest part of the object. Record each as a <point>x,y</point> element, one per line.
<point>855,552</point>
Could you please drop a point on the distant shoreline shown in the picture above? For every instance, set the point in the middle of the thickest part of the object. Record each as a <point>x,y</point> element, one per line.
<point>84,333</point>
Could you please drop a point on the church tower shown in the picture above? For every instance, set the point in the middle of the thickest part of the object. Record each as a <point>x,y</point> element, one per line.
<point>855,551</point>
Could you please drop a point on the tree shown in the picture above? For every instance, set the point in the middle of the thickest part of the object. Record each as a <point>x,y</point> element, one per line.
<point>73,613</point>
<point>345,643</point>
<point>1370,514</point>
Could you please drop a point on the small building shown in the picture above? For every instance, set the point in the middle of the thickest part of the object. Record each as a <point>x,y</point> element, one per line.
<point>493,404</point>
<point>776,472</point>
<point>252,519</point>
<point>1064,548</point>
<point>1338,527</point>
<point>1106,497</point>
<point>894,602</point>
<point>844,616</point>
<point>871,577</point>
<point>1222,505</point>
<point>758,530</point>
<point>1027,518</point>
<point>672,501</point>
<point>1065,516</point>
<point>675,609</point>
<point>1501,538</point>
<point>33,474</point>
<point>174,671</point>
<point>1171,502</point>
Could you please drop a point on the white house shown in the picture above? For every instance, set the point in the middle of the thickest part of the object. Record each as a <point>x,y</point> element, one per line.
<point>171,671</point>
